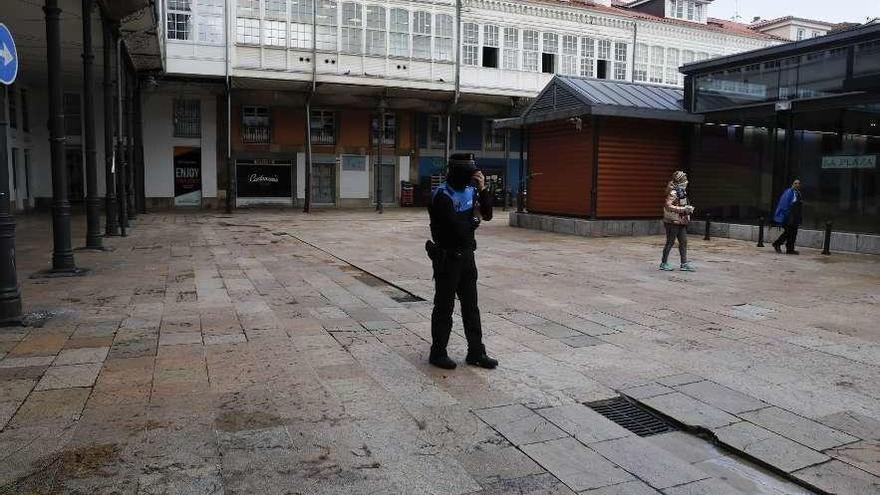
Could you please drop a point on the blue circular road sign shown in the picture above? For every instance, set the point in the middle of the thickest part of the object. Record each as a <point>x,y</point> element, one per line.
<point>8,56</point>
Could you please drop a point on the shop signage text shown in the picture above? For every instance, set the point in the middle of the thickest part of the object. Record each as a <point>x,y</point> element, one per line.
<point>849,162</point>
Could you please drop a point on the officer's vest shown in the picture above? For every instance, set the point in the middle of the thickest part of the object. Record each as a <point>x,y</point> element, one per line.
<point>462,201</point>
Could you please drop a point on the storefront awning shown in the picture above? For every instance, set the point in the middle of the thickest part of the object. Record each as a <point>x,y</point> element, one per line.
<point>565,97</point>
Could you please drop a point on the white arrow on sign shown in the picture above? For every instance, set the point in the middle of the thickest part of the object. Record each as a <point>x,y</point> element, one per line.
<point>6,55</point>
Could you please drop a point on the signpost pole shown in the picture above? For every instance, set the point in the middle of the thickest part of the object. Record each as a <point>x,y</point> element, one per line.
<point>10,295</point>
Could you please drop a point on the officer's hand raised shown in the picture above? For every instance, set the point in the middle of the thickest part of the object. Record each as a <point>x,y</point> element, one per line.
<point>479,180</point>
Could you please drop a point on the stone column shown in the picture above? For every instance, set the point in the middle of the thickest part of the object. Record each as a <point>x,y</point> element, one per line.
<point>93,202</point>
<point>62,256</point>
<point>112,224</point>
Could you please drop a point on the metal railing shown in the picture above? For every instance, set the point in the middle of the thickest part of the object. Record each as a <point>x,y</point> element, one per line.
<point>255,135</point>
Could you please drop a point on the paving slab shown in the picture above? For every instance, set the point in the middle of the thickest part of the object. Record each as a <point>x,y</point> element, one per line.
<point>839,478</point>
<point>685,446</point>
<point>583,423</point>
<point>721,397</point>
<point>768,447</point>
<point>711,486</point>
<point>26,362</point>
<point>69,376</point>
<point>519,424</point>
<point>863,455</point>
<point>576,465</point>
<point>628,488</point>
<point>648,462</point>
<point>646,391</point>
<point>802,430</point>
<point>857,425</point>
<point>83,355</point>
<point>690,411</point>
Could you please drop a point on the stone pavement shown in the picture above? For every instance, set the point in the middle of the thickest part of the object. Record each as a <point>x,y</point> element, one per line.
<point>256,353</point>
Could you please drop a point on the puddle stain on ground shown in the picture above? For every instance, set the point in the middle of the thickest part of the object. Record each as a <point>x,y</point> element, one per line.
<point>234,421</point>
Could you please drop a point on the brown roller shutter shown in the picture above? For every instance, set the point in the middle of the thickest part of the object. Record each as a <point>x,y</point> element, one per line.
<point>636,160</point>
<point>560,162</point>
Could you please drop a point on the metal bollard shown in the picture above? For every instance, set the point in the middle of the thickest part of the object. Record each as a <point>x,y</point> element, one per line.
<point>708,226</point>
<point>761,231</point>
<point>826,250</point>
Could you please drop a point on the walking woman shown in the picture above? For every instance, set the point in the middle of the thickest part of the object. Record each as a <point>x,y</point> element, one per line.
<point>676,216</point>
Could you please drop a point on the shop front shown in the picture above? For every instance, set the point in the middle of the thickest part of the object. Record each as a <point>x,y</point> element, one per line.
<point>265,182</point>
<point>808,110</point>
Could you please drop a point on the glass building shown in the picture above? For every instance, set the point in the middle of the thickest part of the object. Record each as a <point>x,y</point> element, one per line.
<point>807,110</point>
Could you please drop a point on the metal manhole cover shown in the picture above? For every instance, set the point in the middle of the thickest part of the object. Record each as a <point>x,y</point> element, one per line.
<point>631,416</point>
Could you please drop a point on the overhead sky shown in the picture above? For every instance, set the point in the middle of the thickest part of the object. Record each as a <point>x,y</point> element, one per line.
<point>832,11</point>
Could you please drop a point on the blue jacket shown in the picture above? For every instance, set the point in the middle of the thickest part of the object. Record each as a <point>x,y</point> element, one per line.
<point>783,209</point>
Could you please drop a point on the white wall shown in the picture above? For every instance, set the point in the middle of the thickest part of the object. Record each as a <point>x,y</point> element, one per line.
<point>159,142</point>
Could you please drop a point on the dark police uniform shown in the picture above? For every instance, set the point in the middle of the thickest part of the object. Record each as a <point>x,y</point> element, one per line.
<point>455,272</point>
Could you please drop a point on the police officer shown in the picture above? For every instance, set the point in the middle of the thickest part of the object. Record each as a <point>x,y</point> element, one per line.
<point>453,222</point>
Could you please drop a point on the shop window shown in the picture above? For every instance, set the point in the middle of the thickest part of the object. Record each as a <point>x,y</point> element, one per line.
<point>376,30</point>
<point>211,29</point>
<point>249,8</point>
<point>672,66</point>
<point>389,136</point>
<point>255,125</point>
<point>247,31</point>
<point>399,35</point>
<point>72,115</point>
<point>530,51</point>
<point>352,28</point>
<point>187,118</point>
<point>421,35</point>
<point>640,64</point>
<point>656,74</point>
<point>470,44</point>
<point>179,19</point>
<point>276,9</point>
<point>275,33</point>
<point>511,49</point>
<point>323,127</point>
<point>25,116</point>
<point>603,62</point>
<point>443,35</point>
<point>326,26</point>
<point>13,107</point>
<point>620,61</point>
<point>549,51</point>
<point>437,132</point>
<point>569,55</point>
<point>490,46</point>
<point>493,139</point>
<point>588,54</point>
<point>301,24</point>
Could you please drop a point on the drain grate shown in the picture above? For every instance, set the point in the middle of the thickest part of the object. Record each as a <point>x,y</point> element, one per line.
<point>631,416</point>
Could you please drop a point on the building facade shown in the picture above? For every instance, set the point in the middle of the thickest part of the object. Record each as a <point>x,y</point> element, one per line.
<point>243,94</point>
<point>439,72</point>
<point>794,28</point>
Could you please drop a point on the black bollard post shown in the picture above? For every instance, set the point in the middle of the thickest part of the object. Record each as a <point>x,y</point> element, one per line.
<point>708,226</point>
<point>761,231</point>
<point>826,250</point>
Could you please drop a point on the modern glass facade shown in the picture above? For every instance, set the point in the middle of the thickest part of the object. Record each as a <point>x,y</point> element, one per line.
<point>808,110</point>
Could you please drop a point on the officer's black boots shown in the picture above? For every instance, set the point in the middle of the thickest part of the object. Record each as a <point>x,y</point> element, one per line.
<point>478,357</point>
<point>442,362</point>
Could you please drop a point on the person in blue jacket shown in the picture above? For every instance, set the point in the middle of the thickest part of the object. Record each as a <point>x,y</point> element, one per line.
<point>789,215</point>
